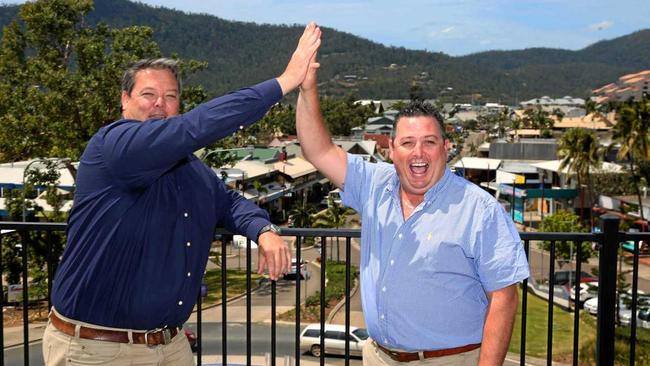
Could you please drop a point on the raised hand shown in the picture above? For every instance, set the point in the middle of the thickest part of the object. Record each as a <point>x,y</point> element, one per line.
<point>301,59</point>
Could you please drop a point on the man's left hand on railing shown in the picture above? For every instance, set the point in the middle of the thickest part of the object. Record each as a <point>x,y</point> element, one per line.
<point>273,253</point>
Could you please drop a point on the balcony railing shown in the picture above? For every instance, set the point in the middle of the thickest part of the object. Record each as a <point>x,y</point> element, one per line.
<point>608,241</point>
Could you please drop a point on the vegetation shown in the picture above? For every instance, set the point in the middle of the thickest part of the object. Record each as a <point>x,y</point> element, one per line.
<point>334,293</point>
<point>568,222</point>
<point>537,325</point>
<point>632,132</point>
<point>242,54</point>
<point>60,73</point>
<point>579,151</point>
<point>235,284</point>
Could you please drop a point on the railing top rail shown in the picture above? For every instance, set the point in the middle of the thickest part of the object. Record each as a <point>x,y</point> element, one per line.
<point>354,233</point>
<point>560,236</point>
<point>637,236</point>
<point>17,225</point>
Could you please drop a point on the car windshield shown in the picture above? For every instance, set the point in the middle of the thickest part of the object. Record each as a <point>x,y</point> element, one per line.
<point>361,333</point>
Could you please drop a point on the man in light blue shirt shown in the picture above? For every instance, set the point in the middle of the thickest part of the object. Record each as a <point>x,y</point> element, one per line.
<point>440,258</point>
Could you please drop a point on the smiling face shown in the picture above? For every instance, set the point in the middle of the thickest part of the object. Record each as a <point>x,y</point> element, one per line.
<point>155,95</point>
<point>419,153</point>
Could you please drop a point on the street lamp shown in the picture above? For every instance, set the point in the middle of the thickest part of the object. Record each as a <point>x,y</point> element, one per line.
<point>57,162</point>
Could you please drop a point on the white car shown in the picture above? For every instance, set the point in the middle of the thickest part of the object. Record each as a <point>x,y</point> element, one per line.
<point>591,305</point>
<point>588,290</point>
<point>334,339</point>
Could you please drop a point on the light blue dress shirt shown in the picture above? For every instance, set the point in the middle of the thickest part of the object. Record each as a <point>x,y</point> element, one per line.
<point>424,280</point>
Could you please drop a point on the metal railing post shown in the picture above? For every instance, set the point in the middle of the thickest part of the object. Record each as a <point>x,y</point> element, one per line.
<point>607,290</point>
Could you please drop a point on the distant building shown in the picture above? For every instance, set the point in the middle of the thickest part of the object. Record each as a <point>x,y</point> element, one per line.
<point>568,105</point>
<point>627,87</point>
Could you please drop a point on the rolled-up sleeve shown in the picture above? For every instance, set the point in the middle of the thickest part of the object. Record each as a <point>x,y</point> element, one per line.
<point>499,252</point>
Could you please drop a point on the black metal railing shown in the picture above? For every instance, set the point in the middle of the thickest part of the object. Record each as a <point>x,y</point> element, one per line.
<point>608,240</point>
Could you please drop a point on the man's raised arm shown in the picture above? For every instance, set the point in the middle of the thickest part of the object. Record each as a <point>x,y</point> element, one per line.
<point>315,140</point>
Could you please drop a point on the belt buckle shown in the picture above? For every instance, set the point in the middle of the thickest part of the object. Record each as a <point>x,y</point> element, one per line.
<point>166,336</point>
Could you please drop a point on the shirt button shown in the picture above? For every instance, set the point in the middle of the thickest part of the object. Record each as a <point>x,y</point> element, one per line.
<point>186,214</point>
<point>383,289</point>
<point>189,274</point>
<point>392,261</point>
<point>241,127</point>
<point>180,303</point>
<point>385,340</point>
<point>399,236</point>
<point>381,317</point>
<point>189,244</point>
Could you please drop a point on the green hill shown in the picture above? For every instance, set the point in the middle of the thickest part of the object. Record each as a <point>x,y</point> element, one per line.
<point>242,53</point>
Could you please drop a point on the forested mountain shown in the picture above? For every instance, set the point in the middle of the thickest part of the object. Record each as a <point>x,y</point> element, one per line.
<point>242,53</point>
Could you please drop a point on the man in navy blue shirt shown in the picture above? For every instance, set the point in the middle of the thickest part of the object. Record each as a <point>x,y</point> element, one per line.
<point>144,213</point>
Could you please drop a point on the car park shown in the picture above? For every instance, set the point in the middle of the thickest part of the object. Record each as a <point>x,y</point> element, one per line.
<point>335,338</point>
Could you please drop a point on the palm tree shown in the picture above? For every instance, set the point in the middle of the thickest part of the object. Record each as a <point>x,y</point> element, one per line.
<point>259,188</point>
<point>631,132</point>
<point>580,152</point>
<point>334,217</point>
<point>302,214</point>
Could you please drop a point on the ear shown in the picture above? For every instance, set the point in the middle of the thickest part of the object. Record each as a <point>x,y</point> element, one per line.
<point>390,148</point>
<point>125,99</point>
<point>447,145</point>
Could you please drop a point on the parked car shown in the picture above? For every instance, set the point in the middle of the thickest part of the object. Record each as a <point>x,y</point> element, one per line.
<point>626,317</point>
<point>192,338</point>
<point>334,339</point>
<point>563,277</point>
<point>304,273</point>
<point>588,290</point>
<point>624,301</point>
<point>643,319</point>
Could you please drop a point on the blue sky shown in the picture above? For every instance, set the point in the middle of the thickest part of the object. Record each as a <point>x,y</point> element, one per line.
<point>455,27</point>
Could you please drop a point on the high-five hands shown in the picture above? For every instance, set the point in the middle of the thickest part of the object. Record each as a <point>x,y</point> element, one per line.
<point>301,59</point>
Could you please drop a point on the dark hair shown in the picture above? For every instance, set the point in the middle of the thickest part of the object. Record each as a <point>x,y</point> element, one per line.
<point>418,108</point>
<point>128,80</point>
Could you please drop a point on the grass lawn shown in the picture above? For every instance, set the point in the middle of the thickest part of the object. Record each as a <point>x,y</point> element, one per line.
<point>235,284</point>
<point>536,330</point>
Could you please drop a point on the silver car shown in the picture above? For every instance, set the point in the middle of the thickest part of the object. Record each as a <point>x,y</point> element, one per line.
<point>334,340</point>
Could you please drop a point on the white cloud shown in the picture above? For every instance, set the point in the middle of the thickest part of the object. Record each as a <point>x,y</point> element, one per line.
<point>448,29</point>
<point>601,26</point>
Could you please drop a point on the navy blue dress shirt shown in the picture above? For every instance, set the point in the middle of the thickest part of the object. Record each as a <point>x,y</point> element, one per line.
<point>145,210</point>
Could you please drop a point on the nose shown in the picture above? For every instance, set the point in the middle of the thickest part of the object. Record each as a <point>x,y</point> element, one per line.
<point>160,101</point>
<point>417,150</point>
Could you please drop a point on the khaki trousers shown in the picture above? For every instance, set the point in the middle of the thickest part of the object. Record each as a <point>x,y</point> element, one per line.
<point>60,349</point>
<point>373,356</point>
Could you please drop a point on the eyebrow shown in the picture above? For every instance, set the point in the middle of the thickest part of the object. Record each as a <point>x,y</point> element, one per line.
<point>423,137</point>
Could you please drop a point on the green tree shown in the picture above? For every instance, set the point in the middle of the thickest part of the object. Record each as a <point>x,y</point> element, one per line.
<point>579,151</point>
<point>302,213</point>
<point>342,114</point>
<point>60,73</point>
<point>632,132</point>
<point>537,118</point>
<point>565,222</point>
<point>334,217</point>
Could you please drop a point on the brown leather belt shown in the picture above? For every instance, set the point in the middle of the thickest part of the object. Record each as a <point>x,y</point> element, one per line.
<point>150,338</point>
<point>415,356</point>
